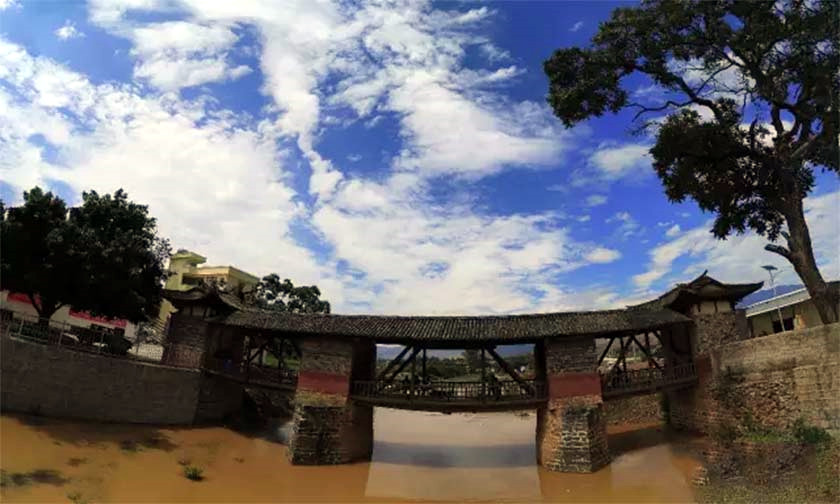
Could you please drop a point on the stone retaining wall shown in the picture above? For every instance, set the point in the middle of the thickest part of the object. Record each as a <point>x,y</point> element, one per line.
<point>639,409</point>
<point>53,381</point>
<point>770,381</point>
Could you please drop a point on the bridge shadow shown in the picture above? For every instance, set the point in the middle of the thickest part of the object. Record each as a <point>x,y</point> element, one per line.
<point>648,436</point>
<point>455,456</point>
<point>128,437</point>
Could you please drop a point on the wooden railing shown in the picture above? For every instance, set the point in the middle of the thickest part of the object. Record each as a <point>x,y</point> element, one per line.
<point>253,374</point>
<point>498,392</point>
<point>647,380</point>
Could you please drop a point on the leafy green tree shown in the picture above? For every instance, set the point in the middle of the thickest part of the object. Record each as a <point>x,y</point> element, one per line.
<point>749,90</point>
<point>472,357</point>
<point>103,257</point>
<point>272,293</point>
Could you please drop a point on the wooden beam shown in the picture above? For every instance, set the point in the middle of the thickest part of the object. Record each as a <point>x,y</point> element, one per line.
<point>647,354</point>
<point>403,365</point>
<point>393,362</point>
<point>509,370</point>
<point>425,378</point>
<point>620,357</point>
<point>604,353</point>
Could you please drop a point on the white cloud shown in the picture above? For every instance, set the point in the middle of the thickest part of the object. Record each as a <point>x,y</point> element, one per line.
<point>628,225</point>
<point>68,31</point>
<point>596,200</point>
<point>577,26</point>
<point>673,231</point>
<point>213,181</point>
<point>739,257</point>
<point>584,218</point>
<point>620,161</point>
<point>603,255</point>
<point>6,4</point>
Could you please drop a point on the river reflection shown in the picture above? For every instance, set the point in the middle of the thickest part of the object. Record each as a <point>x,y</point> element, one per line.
<point>417,456</point>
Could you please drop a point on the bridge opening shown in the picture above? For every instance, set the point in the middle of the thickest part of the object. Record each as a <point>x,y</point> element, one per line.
<point>643,363</point>
<point>479,377</point>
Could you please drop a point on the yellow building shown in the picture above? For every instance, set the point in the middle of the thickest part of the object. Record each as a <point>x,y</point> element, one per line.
<point>186,272</point>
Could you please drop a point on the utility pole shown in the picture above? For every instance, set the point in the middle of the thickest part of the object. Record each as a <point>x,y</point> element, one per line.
<point>770,269</point>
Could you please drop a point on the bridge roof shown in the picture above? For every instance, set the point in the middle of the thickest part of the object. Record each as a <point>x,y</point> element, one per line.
<point>453,330</point>
<point>459,329</point>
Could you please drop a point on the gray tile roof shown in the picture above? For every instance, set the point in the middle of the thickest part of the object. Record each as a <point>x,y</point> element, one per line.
<point>505,328</point>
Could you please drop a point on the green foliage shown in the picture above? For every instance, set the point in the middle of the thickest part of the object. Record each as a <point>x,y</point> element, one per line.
<point>271,293</point>
<point>193,473</point>
<point>747,107</point>
<point>809,434</point>
<point>725,433</point>
<point>103,257</point>
<point>473,360</point>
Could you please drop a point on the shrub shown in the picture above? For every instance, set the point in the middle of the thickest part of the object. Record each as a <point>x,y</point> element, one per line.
<point>193,473</point>
<point>810,434</point>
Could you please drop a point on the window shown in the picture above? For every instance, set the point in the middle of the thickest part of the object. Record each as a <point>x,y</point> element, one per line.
<point>777,327</point>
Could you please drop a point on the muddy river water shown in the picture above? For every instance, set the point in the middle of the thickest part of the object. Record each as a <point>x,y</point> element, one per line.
<point>417,457</point>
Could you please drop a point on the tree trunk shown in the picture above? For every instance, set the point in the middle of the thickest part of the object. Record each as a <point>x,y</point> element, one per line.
<point>801,255</point>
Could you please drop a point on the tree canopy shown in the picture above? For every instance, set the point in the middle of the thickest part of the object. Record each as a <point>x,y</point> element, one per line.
<point>745,108</point>
<point>103,256</point>
<point>272,293</point>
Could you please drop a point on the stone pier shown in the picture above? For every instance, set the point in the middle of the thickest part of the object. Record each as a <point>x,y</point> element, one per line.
<point>571,428</point>
<point>327,426</point>
<point>696,409</point>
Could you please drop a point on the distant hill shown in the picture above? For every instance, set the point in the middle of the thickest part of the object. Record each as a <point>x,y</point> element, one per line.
<point>763,294</point>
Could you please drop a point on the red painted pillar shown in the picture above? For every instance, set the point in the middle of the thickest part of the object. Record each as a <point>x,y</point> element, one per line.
<point>327,426</point>
<point>571,428</point>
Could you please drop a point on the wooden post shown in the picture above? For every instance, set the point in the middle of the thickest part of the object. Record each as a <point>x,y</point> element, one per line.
<point>425,378</point>
<point>483,376</point>
<point>413,366</point>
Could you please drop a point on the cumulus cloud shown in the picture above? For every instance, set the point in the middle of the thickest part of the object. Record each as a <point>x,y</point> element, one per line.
<point>68,31</point>
<point>614,162</point>
<point>603,255</point>
<point>673,231</point>
<point>217,180</point>
<point>213,181</point>
<point>596,200</point>
<point>738,258</point>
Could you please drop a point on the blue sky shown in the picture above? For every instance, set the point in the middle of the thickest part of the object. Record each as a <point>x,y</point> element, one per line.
<point>401,156</point>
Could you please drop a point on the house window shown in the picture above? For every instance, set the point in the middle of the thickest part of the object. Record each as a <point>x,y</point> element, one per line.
<point>777,327</point>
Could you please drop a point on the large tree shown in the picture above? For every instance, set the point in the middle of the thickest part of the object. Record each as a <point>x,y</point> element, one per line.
<point>747,108</point>
<point>272,293</point>
<point>103,257</point>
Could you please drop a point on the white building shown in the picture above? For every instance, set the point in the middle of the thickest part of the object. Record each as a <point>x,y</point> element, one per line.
<point>796,309</point>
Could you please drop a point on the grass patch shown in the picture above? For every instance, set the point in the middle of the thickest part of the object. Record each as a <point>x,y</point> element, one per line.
<point>76,462</point>
<point>77,498</point>
<point>193,473</point>
<point>814,478</point>
<point>42,476</point>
